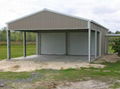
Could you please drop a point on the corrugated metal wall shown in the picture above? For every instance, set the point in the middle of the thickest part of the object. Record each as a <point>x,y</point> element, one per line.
<point>102,31</point>
<point>53,43</point>
<point>47,20</point>
<point>78,43</point>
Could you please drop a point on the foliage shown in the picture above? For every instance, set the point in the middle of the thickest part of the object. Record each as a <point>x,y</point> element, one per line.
<point>116,45</point>
<point>17,36</point>
<point>117,32</point>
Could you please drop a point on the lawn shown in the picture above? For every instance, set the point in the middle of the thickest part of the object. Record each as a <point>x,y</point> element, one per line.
<point>16,50</point>
<point>110,74</point>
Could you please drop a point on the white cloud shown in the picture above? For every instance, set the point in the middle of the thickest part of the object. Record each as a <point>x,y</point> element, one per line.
<point>105,12</point>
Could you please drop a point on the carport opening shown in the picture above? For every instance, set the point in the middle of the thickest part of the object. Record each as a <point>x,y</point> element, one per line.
<point>95,45</point>
<point>17,44</point>
<point>65,43</point>
<point>71,43</point>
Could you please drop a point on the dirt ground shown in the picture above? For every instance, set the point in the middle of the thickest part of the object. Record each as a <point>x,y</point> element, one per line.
<point>108,58</point>
<point>90,84</point>
<point>31,65</point>
<point>20,66</point>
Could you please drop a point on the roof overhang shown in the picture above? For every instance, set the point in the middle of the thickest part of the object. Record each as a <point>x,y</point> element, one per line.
<point>49,20</point>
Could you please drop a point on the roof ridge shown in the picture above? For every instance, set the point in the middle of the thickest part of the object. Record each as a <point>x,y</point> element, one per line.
<point>45,9</point>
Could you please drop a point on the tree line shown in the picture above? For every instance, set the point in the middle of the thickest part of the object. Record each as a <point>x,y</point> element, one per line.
<point>30,36</point>
<point>17,36</point>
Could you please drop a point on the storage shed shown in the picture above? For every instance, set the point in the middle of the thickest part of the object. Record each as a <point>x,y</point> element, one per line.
<point>59,34</point>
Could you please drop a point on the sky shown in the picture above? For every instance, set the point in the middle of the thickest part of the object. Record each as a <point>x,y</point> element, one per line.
<point>105,12</point>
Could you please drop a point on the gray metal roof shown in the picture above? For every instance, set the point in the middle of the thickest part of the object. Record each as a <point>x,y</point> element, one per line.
<point>49,20</point>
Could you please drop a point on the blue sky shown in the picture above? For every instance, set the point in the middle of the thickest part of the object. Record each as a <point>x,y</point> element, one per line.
<point>105,12</point>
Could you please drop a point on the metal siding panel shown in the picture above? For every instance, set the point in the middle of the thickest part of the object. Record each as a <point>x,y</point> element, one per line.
<point>78,43</point>
<point>53,43</point>
<point>98,43</point>
<point>48,20</point>
<point>102,43</point>
<point>92,43</point>
<point>103,39</point>
<point>104,32</point>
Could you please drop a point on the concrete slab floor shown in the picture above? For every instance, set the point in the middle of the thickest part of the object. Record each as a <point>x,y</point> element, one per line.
<point>54,58</point>
<point>35,62</point>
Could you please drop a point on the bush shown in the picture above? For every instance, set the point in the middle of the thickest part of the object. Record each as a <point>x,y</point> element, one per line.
<point>116,46</point>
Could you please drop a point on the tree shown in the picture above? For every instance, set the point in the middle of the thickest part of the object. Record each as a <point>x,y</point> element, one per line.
<point>3,35</point>
<point>110,32</point>
<point>117,32</point>
<point>116,45</point>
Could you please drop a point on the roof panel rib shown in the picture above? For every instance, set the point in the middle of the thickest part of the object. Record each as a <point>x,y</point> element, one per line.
<point>48,20</point>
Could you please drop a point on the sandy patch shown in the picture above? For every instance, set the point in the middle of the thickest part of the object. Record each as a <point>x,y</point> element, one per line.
<point>23,65</point>
<point>90,84</point>
<point>108,58</point>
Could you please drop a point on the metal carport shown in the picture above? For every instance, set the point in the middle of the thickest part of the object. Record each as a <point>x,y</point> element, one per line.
<point>64,26</point>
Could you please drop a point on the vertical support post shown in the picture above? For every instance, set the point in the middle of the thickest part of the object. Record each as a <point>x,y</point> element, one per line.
<point>38,43</point>
<point>24,44</point>
<point>8,45</point>
<point>95,44</point>
<point>37,53</point>
<point>89,41</point>
<point>106,45</point>
<point>100,38</point>
<point>66,45</point>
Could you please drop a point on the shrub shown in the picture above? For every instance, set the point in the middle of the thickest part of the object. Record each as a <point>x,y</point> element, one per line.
<point>116,46</point>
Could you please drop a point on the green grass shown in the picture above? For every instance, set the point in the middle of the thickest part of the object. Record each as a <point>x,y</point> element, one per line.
<point>14,75</point>
<point>16,50</point>
<point>110,72</point>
